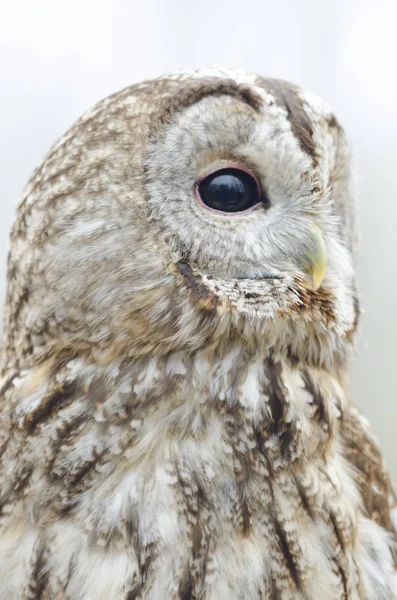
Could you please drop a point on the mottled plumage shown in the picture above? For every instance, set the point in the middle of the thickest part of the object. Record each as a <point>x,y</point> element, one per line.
<point>175,418</point>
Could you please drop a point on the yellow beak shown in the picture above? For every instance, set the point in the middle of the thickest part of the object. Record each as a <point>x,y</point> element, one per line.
<point>317,257</point>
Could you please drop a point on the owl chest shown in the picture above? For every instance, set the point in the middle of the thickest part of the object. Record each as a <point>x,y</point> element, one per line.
<point>228,486</point>
<point>195,479</point>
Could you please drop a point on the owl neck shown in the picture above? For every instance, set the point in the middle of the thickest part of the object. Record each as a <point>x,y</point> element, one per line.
<point>284,405</point>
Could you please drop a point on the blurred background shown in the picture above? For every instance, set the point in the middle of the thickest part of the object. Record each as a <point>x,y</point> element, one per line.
<point>57,58</point>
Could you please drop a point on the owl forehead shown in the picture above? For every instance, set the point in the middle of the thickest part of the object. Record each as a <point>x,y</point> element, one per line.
<point>308,117</point>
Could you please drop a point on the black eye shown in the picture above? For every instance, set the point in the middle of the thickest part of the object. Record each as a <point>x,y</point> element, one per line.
<point>230,191</point>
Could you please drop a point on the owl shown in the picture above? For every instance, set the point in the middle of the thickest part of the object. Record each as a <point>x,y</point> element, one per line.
<point>181,314</point>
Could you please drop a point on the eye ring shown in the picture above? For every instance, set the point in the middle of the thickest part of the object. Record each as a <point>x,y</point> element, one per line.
<point>230,191</point>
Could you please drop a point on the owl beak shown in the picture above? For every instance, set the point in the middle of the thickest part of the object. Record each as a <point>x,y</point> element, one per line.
<point>316,257</point>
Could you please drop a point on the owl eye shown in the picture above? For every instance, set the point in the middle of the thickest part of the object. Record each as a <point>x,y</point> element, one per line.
<point>230,191</point>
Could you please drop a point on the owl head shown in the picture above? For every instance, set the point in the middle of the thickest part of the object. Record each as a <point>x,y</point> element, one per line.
<point>184,212</point>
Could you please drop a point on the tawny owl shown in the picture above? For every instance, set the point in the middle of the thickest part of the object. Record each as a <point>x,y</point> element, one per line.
<point>181,310</point>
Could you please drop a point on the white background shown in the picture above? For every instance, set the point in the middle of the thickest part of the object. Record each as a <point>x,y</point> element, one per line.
<point>58,57</point>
